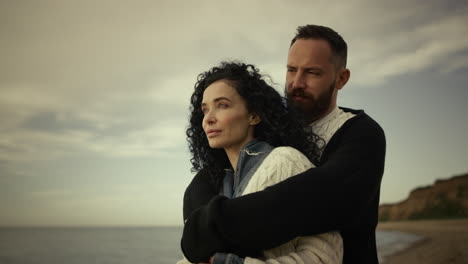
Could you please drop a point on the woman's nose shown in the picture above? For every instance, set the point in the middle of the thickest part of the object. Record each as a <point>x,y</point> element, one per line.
<point>210,118</point>
<point>211,121</point>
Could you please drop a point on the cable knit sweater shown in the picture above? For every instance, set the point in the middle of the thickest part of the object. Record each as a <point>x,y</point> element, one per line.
<point>280,164</point>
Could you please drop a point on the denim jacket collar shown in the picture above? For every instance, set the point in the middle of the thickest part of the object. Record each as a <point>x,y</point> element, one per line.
<point>250,158</point>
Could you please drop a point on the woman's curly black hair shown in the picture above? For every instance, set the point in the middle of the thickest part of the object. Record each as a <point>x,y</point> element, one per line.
<point>279,126</point>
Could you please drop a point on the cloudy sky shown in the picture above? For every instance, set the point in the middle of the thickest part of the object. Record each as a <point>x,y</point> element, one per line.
<point>94,95</point>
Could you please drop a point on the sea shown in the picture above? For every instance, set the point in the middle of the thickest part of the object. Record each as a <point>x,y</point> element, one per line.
<point>119,245</point>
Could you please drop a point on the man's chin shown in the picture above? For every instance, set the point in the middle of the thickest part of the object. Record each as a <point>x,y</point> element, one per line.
<point>301,106</point>
<point>310,114</point>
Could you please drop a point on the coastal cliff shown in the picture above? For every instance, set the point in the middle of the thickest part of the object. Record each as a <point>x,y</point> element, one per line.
<point>447,198</point>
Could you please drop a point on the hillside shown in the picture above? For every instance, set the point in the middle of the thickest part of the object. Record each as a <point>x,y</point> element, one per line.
<point>447,198</point>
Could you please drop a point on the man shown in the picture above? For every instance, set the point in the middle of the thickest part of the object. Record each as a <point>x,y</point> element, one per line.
<point>342,193</point>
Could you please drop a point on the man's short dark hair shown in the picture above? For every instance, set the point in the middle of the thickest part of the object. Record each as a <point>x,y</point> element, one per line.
<point>337,44</point>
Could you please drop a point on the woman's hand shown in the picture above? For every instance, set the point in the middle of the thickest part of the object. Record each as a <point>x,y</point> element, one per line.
<point>211,261</point>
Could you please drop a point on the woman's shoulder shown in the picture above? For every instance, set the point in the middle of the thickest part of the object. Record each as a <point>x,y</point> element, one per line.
<point>280,164</point>
<point>286,154</point>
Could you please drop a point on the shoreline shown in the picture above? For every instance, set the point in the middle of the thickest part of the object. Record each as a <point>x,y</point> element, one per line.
<point>444,241</point>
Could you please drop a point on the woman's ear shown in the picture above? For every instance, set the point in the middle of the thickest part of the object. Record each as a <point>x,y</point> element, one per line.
<point>254,119</point>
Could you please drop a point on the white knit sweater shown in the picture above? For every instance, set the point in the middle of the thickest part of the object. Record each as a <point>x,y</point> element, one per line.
<point>280,164</point>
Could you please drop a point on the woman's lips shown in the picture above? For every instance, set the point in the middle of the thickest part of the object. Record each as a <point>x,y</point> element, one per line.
<point>213,132</point>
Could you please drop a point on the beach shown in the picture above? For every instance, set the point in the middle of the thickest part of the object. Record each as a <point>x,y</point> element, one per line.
<point>443,241</point>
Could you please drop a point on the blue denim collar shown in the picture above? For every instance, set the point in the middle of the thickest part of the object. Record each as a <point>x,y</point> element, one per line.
<point>250,158</point>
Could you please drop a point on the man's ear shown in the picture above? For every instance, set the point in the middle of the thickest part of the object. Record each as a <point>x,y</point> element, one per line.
<point>343,77</point>
<point>254,119</point>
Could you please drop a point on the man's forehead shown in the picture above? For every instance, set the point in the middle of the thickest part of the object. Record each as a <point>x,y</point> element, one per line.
<point>310,46</point>
<point>310,52</point>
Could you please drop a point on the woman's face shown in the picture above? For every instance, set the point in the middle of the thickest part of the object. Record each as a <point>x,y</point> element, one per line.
<point>227,122</point>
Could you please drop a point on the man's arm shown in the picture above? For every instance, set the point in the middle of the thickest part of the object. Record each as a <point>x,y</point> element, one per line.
<point>330,197</point>
<point>198,193</point>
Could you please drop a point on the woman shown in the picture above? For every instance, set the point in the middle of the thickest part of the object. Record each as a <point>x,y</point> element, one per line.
<point>242,133</point>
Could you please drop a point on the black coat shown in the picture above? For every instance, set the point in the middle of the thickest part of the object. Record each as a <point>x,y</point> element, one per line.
<point>341,193</point>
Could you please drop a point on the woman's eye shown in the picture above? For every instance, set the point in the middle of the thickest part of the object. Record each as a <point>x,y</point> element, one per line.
<point>223,105</point>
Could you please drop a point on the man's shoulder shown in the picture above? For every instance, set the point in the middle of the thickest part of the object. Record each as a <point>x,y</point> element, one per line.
<point>361,130</point>
<point>361,122</point>
<point>359,135</point>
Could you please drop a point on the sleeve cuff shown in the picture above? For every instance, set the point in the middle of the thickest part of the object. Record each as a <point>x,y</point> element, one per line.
<point>227,258</point>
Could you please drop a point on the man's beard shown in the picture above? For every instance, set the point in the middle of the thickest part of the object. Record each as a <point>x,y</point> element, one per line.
<point>312,108</point>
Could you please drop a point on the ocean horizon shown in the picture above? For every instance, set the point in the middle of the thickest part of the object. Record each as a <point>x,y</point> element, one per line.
<point>119,244</point>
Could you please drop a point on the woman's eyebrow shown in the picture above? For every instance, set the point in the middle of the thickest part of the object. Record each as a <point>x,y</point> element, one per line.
<point>221,98</point>
<point>218,99</point>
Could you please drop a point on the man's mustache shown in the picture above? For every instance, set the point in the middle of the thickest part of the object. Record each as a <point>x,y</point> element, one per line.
<point>298,93</point>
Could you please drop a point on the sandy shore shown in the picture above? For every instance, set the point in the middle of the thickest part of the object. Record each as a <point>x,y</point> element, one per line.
<point>446,241</point>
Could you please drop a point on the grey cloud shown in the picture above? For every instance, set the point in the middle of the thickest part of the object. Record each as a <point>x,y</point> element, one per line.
<point>398,49</point>
<point>109,73</point>
<point>50,121</point>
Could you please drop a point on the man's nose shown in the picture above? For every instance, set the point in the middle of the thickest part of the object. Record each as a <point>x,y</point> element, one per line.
<point>298,81</point>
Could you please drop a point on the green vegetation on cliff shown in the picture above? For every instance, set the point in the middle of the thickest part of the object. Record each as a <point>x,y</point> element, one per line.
<point>444,199</point>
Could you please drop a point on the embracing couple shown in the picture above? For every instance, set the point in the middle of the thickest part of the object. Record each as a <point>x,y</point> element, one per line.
<point>293,180</point>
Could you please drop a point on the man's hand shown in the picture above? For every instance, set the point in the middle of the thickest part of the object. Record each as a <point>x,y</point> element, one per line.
<point>211,261</point>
